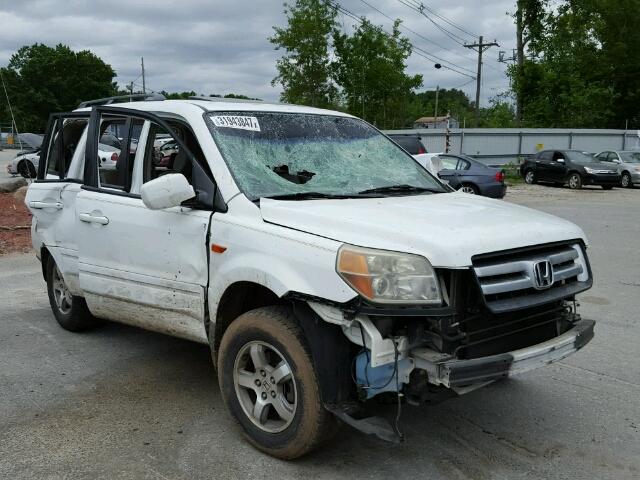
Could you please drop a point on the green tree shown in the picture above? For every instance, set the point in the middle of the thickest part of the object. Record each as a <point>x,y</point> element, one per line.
<point>584,69</point>
<point>304,70</point>
<point>370,67</point>
<point>41,80</point>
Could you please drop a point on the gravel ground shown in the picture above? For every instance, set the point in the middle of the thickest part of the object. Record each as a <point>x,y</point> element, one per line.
<point>119,402</point>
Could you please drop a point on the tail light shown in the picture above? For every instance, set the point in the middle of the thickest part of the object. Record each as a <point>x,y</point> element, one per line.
<point>114,157</point>
<point>421,150</point>
<point>500,176</point>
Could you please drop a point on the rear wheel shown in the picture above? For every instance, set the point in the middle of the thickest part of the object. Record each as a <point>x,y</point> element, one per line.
<point>70,311</point>
<point>530,177</point>
<point>625,182</point>
<point>468,188</point>
<point>575,181</point>
<point>269,384</point>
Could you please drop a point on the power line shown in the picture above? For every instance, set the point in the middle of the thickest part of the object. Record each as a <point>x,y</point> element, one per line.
<point>447,20</point>
<point>404,27</point>
<point>416,50</point>
<point>420,8</point>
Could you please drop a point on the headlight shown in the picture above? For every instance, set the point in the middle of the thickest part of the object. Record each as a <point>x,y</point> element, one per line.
<point>588,170</point>
<point>388,277</point>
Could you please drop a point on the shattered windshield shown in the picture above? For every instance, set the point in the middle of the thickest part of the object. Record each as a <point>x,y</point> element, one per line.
<point>293,154</point>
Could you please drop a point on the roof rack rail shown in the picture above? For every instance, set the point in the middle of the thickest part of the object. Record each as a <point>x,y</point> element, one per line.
<point>225,99</point>
<point>121,98</point>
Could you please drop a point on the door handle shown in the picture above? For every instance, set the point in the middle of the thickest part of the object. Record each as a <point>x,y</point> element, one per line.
<point>39,205</point>
<point>88,218</point>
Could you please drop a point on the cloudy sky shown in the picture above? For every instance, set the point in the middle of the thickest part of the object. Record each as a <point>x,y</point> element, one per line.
<point>217,46</point>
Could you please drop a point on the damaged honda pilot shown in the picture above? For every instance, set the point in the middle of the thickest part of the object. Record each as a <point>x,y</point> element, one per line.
<point>319,261</point>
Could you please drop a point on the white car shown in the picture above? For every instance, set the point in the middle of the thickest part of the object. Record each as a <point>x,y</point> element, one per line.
<point>319,261</point>
<point>25,163</point>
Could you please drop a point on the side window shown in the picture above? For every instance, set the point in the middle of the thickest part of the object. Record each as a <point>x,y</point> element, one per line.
<point>449,163</point>
<point>558,156</point>
<point>603,157</point>
<point>463,165</point>
<point>613,157</point>
<point>63,140</point>
<point>116,150</point>
<point>545,156</point>
<point>164,155</point>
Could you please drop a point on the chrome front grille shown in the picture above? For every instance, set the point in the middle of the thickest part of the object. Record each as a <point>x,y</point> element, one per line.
<point>534,272</point>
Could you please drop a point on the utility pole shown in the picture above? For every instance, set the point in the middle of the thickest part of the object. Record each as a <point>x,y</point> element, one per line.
<point>435,115</point>
<point>480,47</point>
<point>144,85</point>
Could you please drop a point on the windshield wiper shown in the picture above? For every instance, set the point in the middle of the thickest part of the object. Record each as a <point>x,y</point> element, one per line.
<point>312,196</point>
<point>401,189</point>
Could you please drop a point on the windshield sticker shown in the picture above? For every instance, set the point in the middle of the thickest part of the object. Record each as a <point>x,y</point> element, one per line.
<point>233,121</point>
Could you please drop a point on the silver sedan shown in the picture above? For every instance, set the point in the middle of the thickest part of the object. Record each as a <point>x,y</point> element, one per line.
<point>628,165</point>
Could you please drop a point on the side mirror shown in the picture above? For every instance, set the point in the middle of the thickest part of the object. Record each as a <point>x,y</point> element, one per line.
<point>166,191</point>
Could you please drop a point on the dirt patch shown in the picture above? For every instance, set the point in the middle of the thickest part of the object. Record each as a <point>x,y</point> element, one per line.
<point>14,213</point>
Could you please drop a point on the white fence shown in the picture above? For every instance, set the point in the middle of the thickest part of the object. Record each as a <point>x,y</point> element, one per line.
<point>497,146</point>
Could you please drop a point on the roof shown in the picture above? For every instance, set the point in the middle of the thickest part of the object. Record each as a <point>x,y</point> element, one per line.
<point>181,107</point>
<point>432,119</point>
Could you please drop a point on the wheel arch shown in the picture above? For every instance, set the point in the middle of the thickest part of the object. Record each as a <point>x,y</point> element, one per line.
<point>238,298</point>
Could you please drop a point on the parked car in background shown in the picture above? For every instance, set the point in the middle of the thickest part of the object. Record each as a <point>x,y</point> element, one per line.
<point>166,154</point>
<point>410,142</point>
<point>573,167</point>
<point>26,161</point>
<point>471,176</point>
<point>465,174</point>
<point>628,163</point>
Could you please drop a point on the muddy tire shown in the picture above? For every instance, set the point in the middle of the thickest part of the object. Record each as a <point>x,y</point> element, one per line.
<point>269,384</point>
<point>70,311</point>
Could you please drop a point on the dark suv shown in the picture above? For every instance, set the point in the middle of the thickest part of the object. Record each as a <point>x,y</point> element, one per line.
<point>410,142</point>
<point>573,167</point>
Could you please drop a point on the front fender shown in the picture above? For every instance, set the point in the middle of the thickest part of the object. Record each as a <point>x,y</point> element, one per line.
<point>277,258</point>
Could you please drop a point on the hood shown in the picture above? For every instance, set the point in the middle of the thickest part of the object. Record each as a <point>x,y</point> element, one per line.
<point>601,166</point>
<point>448,229</point>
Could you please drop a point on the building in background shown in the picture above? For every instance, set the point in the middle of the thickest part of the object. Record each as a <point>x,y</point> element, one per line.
<point>435,122</point>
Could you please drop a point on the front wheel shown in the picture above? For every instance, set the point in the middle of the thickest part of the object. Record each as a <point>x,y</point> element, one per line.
<point>70,311</point>
<point>27,170</point>
<point>269,384</point>
<point>575,181</point>
<point>625,182</point>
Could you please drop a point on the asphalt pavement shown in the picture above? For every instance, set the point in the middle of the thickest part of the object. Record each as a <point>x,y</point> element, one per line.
<point>119,402</point>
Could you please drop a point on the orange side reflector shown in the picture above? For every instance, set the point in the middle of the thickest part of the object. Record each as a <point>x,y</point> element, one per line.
<point>218,248</point>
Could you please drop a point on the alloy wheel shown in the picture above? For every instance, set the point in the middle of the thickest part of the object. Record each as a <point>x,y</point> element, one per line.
<point>265,386</point>
<point>468,189</point>
<point>61,294</point>
<point>626,181</point>
<point>529,177</point>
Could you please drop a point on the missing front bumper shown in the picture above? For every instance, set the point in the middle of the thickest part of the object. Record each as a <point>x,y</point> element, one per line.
<point>453,373</point>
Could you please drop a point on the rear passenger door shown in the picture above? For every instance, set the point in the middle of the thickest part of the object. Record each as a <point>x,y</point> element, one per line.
<point>52,197</point>
<point>139,266</point>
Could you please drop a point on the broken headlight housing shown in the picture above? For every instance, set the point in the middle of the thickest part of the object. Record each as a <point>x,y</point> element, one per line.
<point>389,277</point>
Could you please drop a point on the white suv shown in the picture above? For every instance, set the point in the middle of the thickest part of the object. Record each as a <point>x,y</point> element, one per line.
<point>321,263</point>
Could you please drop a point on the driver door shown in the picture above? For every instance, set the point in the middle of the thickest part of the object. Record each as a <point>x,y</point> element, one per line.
<point>139,266</point>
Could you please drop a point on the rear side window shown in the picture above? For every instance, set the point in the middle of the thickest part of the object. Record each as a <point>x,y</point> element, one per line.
<point>63,141</point>
<point>411,144</point>
<point>116,150</point>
